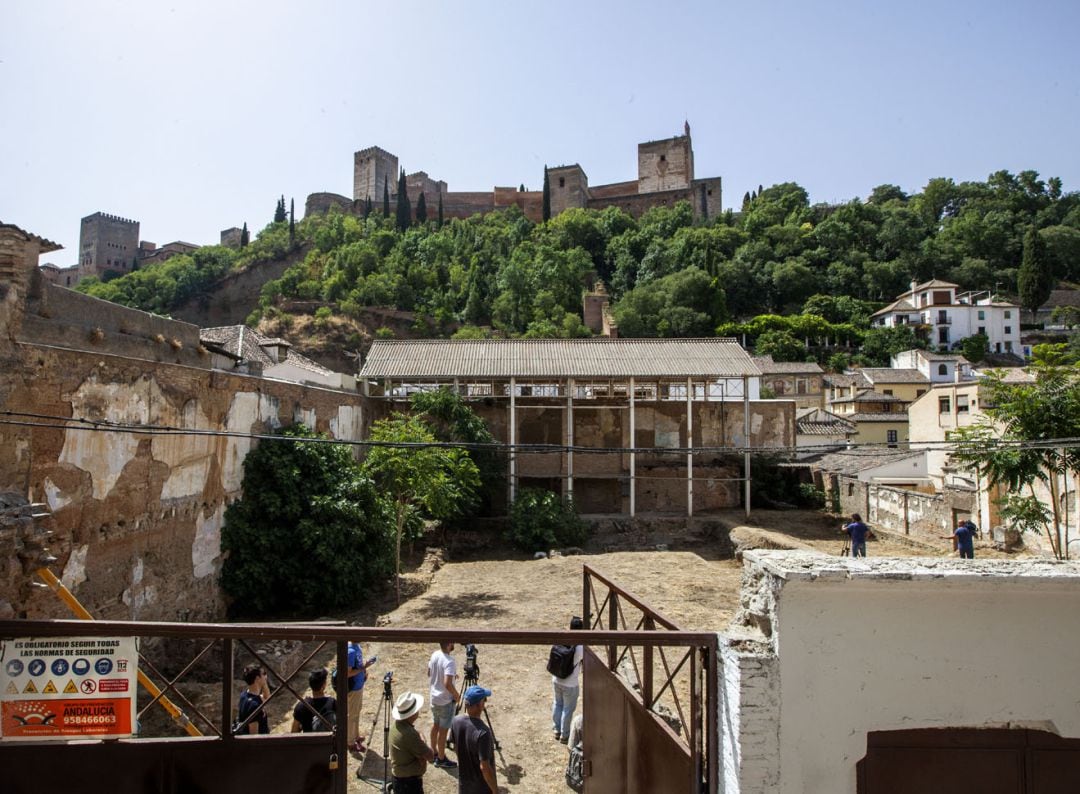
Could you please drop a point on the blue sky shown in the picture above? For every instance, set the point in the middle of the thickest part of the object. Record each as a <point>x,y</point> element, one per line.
<point>195,116</point>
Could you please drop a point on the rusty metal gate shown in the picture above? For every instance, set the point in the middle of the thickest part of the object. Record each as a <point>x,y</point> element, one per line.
<point>212,760</point>
<point>633,742</point>
<point>969,761</point>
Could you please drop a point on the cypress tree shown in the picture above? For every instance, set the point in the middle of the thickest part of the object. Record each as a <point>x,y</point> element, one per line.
<point>244,238</point>
<point>421,209</point>
<point>440,210</point>
<point>292,221</point>
<point>746,201</point>
<point>367,208</point>
<point>547,196</point>
<point>1035,278</point>
<point>279,211</point>
<point>404,208</point>
<point>522,188</point>
<point>386,197</point>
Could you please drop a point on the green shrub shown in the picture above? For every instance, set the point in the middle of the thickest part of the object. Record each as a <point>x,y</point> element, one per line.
<point>310,533</point>
<point>541,520</point>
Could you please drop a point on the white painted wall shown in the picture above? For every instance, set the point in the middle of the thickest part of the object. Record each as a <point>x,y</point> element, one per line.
<point>891,644</point>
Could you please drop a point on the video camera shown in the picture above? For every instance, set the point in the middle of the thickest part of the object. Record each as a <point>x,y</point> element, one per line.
<point>472,668</point>
<point>388,681</point>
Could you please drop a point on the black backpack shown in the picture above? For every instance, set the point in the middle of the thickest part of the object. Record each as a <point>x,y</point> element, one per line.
<point>561,660</point>
<point>326,718</point>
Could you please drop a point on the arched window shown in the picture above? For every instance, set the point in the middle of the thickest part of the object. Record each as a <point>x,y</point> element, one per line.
<point>943,369</point>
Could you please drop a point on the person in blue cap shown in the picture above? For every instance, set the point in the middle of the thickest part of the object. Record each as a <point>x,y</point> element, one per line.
<point>475,745</point>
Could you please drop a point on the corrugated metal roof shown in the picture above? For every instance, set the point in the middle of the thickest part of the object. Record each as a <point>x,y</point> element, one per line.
<point>556,358</point>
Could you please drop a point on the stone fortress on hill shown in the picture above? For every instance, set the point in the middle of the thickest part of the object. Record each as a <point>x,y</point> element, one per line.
<point>665,176</point>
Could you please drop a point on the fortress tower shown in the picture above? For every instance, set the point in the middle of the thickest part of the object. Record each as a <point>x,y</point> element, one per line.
<point>666,164</point>
<point>372,169</point>
<point>107,242</point>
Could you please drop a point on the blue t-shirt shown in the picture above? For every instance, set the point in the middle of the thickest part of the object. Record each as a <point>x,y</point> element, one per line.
<point>857,530</point>
<point>356,660</point>
<point>965,537</point>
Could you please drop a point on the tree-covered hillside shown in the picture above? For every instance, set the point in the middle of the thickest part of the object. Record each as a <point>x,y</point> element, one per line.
<point>667,274</point>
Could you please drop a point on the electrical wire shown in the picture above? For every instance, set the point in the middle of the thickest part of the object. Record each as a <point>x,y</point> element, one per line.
<point>854,449</point>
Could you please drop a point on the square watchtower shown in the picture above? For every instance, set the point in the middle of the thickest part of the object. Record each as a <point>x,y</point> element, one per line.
<point>372,169</point>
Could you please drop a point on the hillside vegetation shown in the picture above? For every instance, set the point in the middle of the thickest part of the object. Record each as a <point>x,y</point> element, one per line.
<point>667,274</point>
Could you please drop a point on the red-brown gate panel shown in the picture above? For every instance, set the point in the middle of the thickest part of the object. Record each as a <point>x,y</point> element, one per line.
<point>969,761</point>
<point>627,748</point>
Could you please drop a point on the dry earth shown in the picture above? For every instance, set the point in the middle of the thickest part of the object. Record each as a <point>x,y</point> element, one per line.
<point>696,588</point>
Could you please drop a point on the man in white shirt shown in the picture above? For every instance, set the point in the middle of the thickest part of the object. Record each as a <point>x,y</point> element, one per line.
<point>442,670</point>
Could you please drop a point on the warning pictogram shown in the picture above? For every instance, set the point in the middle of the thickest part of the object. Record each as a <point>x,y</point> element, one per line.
<point>29,688</point>
<point>88,686</point>
<point>12,689</point>
<point>70,688</point>
<point>49,688</point>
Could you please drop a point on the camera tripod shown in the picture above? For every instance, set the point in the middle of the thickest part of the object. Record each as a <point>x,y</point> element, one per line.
<point>385,707</point>
<point>472,677</point>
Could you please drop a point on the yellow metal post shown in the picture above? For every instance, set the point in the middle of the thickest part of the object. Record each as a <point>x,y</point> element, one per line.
<point>69,598</point>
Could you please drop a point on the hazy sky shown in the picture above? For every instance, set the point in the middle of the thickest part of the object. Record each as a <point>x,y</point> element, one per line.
<point>195,116</point>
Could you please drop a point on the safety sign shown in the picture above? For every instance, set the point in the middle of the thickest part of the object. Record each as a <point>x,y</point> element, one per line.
<point>64,688</point>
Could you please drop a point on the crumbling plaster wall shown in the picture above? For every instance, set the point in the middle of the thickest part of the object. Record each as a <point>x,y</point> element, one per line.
<point>138,517</point>
<point>825,650</point>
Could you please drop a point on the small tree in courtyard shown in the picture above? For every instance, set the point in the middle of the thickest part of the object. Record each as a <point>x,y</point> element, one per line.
<point>417,475</point>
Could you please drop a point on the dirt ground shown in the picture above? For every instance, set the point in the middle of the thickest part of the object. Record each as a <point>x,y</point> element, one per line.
<point>697,589</point>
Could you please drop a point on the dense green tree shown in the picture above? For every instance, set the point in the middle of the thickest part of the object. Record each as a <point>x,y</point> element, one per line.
<point>386,197</point>
<point>367,208</point>
<point>683,304</point>
<point>292,221</point>
<point>279,211</point>
<point>421,208</point>
<point>881,344</point>
<point>310,532</point>
<point>781,345</point>
<point>975,347</point>
<point>245,237</point>
<point>1035,280</point>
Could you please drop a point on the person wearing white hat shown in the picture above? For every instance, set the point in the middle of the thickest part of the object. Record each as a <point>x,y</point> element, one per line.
<point>409,756</point>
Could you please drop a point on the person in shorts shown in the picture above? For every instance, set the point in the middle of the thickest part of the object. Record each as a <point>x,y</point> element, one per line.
<point>442,670</point>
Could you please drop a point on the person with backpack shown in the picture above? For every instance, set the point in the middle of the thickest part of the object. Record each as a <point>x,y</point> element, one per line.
<point>858,532</point>
<point>963,538</point>
<point>251,702</point>
<point>321,717</point>
<point>564,664</point>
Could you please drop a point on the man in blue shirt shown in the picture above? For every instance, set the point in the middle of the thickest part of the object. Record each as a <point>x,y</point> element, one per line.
<point>357,678</point>
<point>964,539</point>
<point>858,532</point>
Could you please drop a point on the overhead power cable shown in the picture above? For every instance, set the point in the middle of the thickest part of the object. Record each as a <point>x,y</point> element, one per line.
<point>52,422</point>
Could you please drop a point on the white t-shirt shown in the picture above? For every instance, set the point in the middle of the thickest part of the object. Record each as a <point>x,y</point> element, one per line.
<point>572,679</point>
<point>441,666</point>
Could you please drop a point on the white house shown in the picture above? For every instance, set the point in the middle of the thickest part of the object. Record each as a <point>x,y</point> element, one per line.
<point>953,316</point>
<point>937,367</point>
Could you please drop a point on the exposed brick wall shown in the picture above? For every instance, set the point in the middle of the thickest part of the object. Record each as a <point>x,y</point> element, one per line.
<point>138,517</point>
